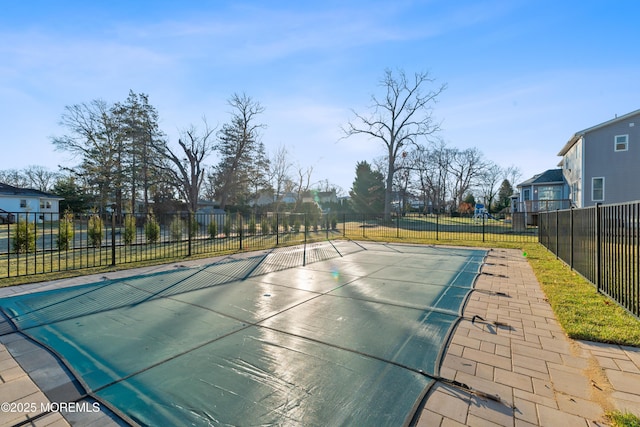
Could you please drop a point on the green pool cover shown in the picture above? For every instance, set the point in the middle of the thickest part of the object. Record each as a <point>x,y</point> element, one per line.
<point>354,337</point>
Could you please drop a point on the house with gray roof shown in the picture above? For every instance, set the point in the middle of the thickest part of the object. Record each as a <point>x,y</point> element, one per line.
<point>601,163</point>
<point>29,203</point>
<point>543,192</point>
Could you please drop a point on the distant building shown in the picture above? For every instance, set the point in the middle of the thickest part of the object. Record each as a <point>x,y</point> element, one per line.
<point>35,205</point>
<point>543,192</point>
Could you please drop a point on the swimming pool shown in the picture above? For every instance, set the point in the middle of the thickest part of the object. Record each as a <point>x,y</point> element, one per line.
<point>354,337</point>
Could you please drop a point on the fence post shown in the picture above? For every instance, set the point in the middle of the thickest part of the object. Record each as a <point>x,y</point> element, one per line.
<point>571,237</point>
<point>190,219</point>
<point>363,225</point>
<point>344,224</point>
<point>557,233</point>
<point>240,230</point>
<point>113,235</point>
<point>483,221</point>
<point>398,225</point>
<point>326,225</point>
<point>277,229</point>
<point>437,227</point>
<point>304,250</point>
<point>598,246</point>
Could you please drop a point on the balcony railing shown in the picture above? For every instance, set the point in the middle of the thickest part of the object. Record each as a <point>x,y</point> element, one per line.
<point>535,206</point>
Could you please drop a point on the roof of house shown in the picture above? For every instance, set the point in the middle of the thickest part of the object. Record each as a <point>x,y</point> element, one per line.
<point>576,136</point>
<point>546,177</point>
<point>10,190</point>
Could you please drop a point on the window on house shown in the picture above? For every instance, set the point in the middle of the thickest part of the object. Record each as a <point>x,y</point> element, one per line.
<point>45,204</point>
<point>23,203</point>
<point>597,189</point>
<point>621,142</point>
<point>549,192</point>
<point>527,194</point>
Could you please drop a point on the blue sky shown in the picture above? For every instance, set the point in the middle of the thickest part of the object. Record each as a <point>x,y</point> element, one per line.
<point>522,76</point>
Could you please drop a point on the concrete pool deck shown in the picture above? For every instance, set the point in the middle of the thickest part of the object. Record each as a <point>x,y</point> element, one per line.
<point>517,353</point>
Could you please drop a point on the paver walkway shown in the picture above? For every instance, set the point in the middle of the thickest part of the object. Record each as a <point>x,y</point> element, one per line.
<point>520,354</point>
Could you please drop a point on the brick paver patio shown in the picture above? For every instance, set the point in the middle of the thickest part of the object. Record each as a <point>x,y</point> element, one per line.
<point>520,355</point>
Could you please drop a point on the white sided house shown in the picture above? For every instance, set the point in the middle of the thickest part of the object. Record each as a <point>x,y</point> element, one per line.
<point>34,205</point>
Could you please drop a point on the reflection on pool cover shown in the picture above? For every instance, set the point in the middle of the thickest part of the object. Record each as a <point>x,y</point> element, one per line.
<point>258,342</point>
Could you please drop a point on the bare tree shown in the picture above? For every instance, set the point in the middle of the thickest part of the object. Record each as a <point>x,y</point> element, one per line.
<point>186,168</point>
<point>40,177</point>
<point>431,174</point>
<point>279,173</point>
<point>304,183</point>
<point>403,177</point>
<point>324,185</point>
<point>112,142</point>
<point>95,136</point>
<point>465,167</point>
<point>488,181</point>
<point>512,174</point>
<point>14,178</point>
<point>401,117</point>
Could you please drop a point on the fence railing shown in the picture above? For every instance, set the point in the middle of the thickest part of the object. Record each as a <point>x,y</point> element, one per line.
<point>602,243</point>
<point>43,243</point>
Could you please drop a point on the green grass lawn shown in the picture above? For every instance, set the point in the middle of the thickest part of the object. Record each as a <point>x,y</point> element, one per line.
<point>623,419</point>
<point>584,313</point>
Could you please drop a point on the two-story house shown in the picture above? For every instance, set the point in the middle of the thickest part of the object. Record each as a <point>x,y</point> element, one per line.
<point>601,163</point>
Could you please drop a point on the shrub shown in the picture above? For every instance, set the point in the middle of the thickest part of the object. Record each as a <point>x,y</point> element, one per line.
<point>265,226</point>
<point>296,224</point>
<point>176,228</point>
<point>251,227</point>
<point>24,237</point>
<point>226,228</point>
<point>239,227</point>
<point>213,229</point>
<point>95,230</point>
<point>129,229</point>
<point>194,225</point>
<point>334,223</point>
<point>65,231</point>
<point>151,229</point>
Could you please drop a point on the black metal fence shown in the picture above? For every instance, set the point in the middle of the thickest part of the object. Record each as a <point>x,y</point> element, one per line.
<point>44,243</point>
<point>601,243</point>
<point>435,227</point>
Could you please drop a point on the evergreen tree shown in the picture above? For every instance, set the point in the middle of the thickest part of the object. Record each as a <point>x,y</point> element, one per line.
<point>504,195</point>
<point>75,198</point>
<point>368,191</point>
<point>141,132</point>
<point>114,144</point>
<point>243,165</point>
